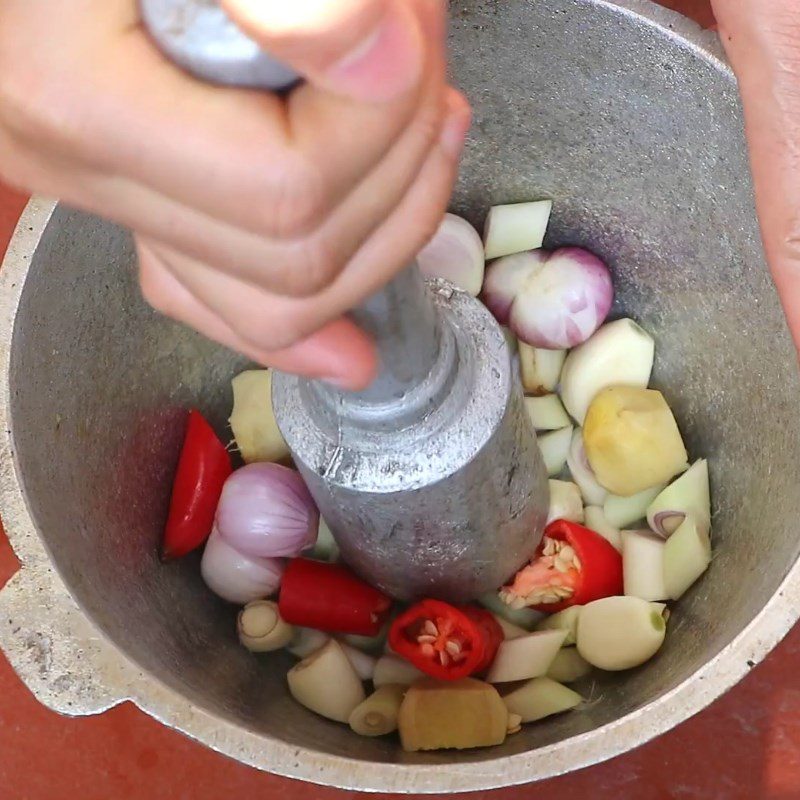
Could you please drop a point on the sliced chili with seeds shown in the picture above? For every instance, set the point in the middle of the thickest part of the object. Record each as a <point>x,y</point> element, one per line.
<point>445,641</point>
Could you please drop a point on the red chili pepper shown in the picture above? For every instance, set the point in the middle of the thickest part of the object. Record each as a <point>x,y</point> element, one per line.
<point>444,641</point>
<point>330,598</point>
<point>591,571</point>
<point>203,467</point>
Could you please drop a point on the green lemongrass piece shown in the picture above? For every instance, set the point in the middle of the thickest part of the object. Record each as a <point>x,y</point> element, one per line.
<point>566,502</point>
<point>525,618</point>
<point>624,511</point>
<point>306,641</point>
<point>687,554</point>
<point>554,447</point>
<point>540,698</point>
<point>527,657</point>
<point>687,495</point>
<point>643,565</point>
<point>377,715</point>
<point>540,369</point>
<point>393,669</point>
<point>569,666</point>
<point>547,413</point>
<point>595,519</point>
<point>566,620</point>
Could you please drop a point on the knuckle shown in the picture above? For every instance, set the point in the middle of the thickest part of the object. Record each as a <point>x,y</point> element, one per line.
<point>315,267</point>
<point>266,332</point>
<point>296,200</point>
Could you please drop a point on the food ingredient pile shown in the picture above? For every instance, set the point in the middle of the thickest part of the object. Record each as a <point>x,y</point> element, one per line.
<point>628,529</point>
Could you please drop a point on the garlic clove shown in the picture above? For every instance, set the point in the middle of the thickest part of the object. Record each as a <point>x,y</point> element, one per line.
<point>455,253</point>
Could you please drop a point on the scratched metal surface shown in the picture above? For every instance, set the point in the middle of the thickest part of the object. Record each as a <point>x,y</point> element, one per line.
<point>636,135</point>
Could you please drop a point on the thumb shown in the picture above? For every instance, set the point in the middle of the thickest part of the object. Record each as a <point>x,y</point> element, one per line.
<point>369,50</point>
<point>762,39</point>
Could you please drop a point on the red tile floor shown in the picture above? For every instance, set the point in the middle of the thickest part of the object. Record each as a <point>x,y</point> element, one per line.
<point>744,747</point>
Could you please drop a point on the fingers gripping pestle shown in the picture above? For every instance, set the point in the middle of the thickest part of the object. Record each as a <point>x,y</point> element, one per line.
<point>430,479</point>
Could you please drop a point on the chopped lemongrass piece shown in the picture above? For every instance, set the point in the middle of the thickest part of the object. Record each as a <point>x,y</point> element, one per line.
<point>377,715</point>
<point>306,641</point>
<point>577,463</point>
<point>687,554</point>
<point>618,633</point>
<point>261,629</point>
<point>565,502</point>
<point>438,715</point>
<point>620,353</point>
<point>516,228</point>
<point>367,644</point>
<point>252,419</point>
<point>643,565</point>
<point>547,412</point>
<point>510,630</point>
<point>540,698</point>
<point>326,683</point>
<point>569,666</point>
<point>362,663</point>
<point>566,620</point>
<point>632,440</point>
<point>623,511</point>
<point>687,495</point>
<point>527,657</point>
<point>540,369</point>
<point>525,618</point>
<point>325,548</point>
<point>554,447</point>
<point>393,669</point>
<point>595,519</point>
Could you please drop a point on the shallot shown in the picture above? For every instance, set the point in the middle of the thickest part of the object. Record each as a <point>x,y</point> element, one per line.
<point>455,253</point>
<point>266,510</point>
<point>551,300</point>
<point>236,577</point>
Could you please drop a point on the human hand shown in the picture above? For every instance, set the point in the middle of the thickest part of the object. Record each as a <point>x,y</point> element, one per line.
<point>762,39</point>
<point>259,220</point>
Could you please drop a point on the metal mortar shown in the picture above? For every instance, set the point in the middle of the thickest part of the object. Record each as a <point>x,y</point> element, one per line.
<point>627,116</point>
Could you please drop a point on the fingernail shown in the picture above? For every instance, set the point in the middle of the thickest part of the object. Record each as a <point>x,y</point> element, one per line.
<point>386,64</point>
<point>454,131</point>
